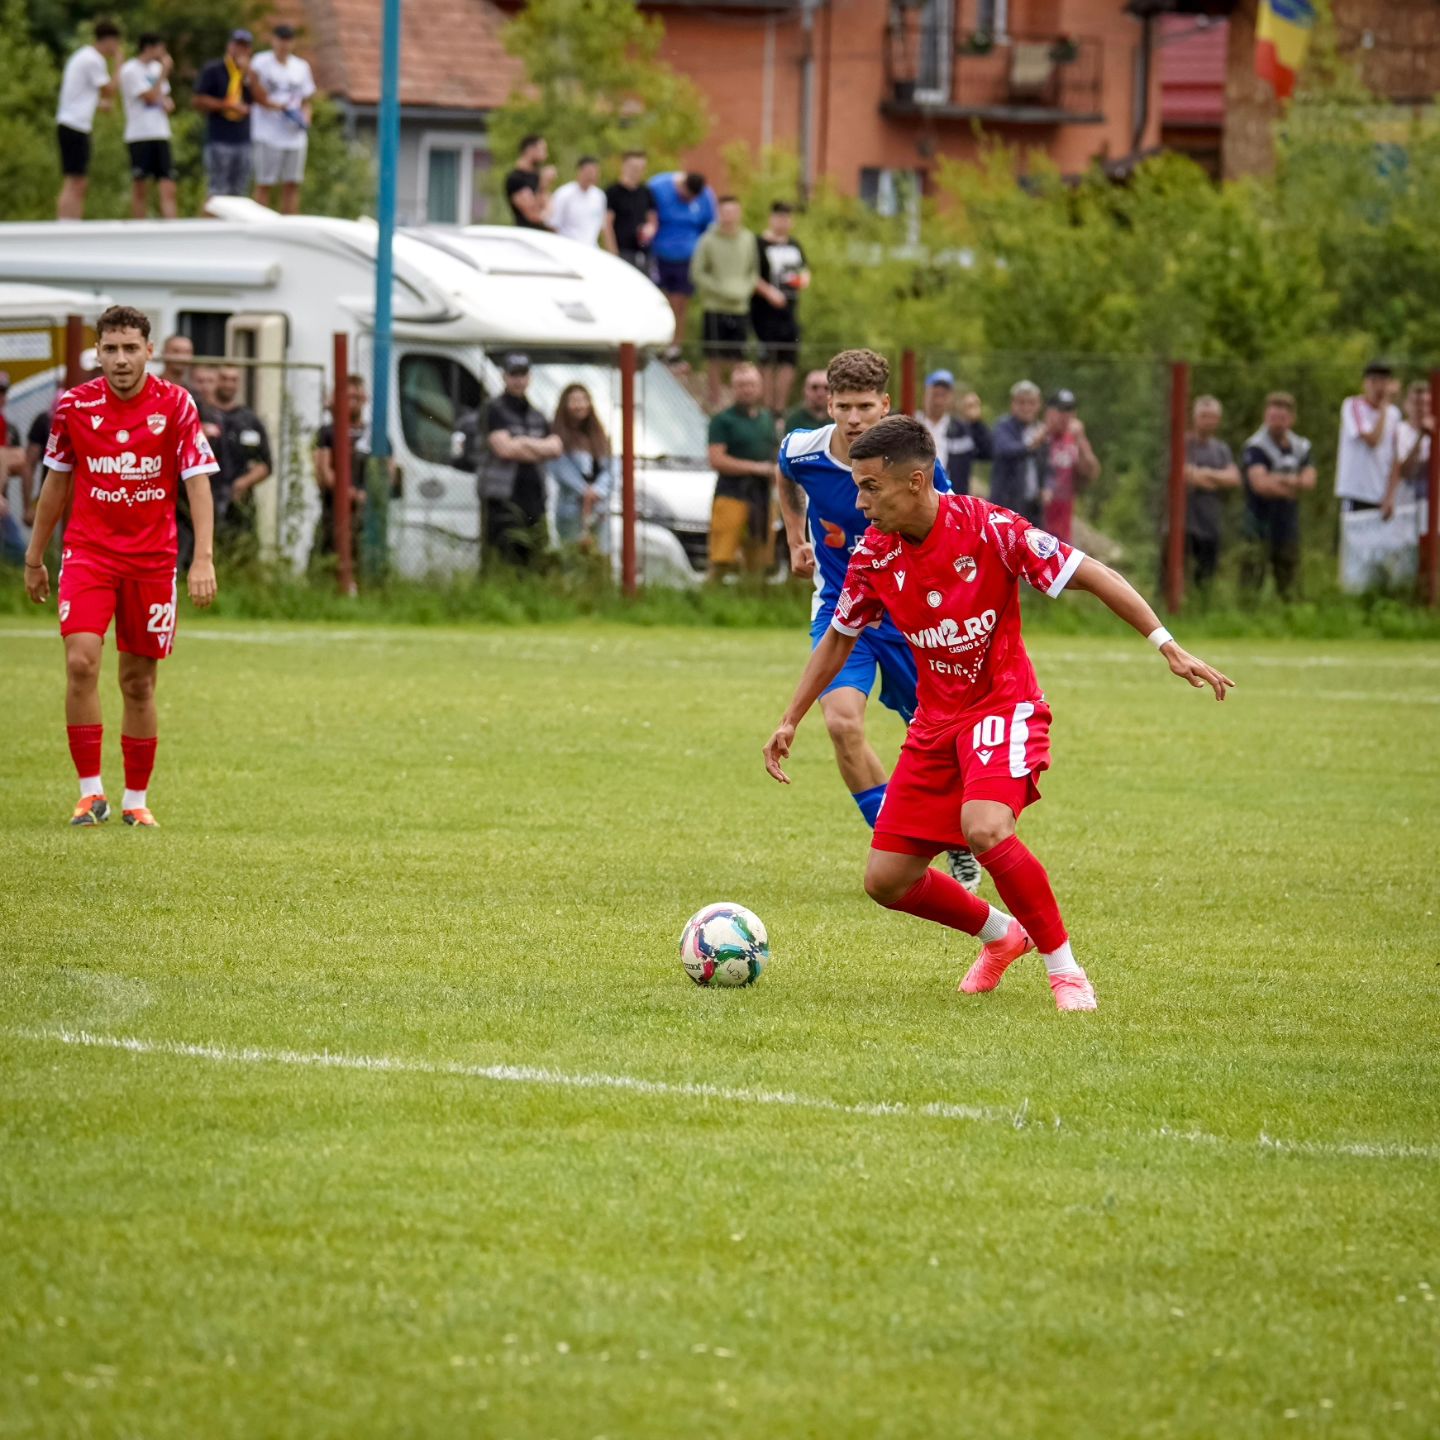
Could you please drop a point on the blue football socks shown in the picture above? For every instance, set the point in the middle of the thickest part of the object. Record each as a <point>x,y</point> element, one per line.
<point>869,802</point>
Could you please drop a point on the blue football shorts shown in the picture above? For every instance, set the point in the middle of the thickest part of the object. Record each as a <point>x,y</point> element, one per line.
<point>888,654</point>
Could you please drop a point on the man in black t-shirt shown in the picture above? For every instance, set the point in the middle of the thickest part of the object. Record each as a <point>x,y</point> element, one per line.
<point>630,218</point>
<point>524,188</point>
<point>512,475</point>
<point>222,95</point>
<point>326,478</point>
<point>777,327</point>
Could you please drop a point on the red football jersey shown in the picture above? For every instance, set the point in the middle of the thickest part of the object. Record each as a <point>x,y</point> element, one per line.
<point>956,597</point>
<point>128,459</point>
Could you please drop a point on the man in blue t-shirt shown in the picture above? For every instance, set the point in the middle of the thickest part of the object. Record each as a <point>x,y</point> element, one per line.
<point>685,209</point>
<point>816,486</point>
<point>223,96</point>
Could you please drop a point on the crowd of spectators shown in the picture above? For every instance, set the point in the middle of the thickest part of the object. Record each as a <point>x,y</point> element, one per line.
<point>257,109</point>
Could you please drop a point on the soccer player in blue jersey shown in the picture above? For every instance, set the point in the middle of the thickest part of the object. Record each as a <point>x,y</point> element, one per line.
<point>816,486</point>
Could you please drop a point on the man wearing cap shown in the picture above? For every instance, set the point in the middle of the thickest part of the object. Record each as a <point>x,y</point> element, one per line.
<point>280,125</point>
<point>1069,464</point>
<point>1369,424</point>
<point>960,439</point>
<point>511,478</point>
<point>1019,442</point>
<point>223,95</point>
<point>12,463</point>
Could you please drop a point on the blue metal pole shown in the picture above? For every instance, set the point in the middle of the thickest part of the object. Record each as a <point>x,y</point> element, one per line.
<point>378,479</point>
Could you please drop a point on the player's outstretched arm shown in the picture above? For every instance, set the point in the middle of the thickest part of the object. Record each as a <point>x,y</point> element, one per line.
<point>1115,591</point>
<point>826,661</point>
<point>54,497</point>
<point>202,519</point>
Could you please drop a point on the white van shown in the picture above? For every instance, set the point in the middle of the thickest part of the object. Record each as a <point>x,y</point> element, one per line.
<point>274,290</point>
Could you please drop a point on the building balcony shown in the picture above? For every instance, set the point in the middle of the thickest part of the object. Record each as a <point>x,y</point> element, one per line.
<point>936,72</point>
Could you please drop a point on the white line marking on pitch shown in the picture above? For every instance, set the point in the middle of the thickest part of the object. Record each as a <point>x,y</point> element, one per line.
<point>686,1090</point>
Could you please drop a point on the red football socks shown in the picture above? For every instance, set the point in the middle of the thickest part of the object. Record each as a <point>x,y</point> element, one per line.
<point>944,900</point>
<point>139,756</point>
<point>85,748</point>
<point>1025,888</point>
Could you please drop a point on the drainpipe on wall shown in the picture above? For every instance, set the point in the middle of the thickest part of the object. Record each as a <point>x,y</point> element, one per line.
<point>1144,64</point>
<point>807,96</point>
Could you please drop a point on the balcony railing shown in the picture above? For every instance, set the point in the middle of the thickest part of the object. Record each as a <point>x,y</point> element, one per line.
<point>1023,79</point>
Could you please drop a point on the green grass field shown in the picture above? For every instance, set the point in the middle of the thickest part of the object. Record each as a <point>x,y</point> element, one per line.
<point>367,1097</point>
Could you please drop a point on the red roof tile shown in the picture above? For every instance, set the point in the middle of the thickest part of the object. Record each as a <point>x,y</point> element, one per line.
<point>1192,71</point>
<point>450,52</point>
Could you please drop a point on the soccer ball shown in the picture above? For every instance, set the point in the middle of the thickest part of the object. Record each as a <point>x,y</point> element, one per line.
<point>724,944</point>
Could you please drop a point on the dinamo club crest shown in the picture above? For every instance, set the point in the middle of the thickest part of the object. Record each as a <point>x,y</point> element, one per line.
<point>156,424</point>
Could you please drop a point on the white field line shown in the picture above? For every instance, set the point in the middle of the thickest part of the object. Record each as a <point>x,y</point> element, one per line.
<point>1017,1118</point>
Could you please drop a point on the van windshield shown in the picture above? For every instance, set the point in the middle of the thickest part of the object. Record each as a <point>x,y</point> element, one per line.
<point>670,426</point>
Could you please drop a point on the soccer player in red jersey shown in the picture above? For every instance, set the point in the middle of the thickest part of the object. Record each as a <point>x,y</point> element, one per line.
<point>946,568</point>
<point>119,448</point>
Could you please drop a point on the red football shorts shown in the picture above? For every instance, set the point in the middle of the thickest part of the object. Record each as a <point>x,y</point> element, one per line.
<point>93,590</point>
<point>992,757</point>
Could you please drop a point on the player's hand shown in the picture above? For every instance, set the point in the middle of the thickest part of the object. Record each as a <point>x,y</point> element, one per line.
<point>1194,670</point>
<point>37,582</point>
<point>802,560</point>
<point>777,747</point>
<point>202,583</point>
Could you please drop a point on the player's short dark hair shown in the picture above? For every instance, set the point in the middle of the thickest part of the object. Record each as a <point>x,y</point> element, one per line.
<point>1282,397</point>
<point>695,182</point>
<point>123,317</point>
<point>149,38</point>
<point>858,370</point>
<point>526,141</point>
<point>106,30</point>
<point>781,207</point>
<point>897,440</point>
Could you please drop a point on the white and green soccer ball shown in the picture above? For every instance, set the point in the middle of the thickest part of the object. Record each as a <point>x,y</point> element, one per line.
<point>724,944</point>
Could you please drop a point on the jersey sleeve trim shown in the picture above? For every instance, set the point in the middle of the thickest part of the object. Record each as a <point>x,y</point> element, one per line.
<point>59,465</point>
<point>852,632</point>
<point>210,467</point>
<point>1071,565</point>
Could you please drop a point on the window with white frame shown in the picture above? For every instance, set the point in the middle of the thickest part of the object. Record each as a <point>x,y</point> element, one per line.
<point>454,178</point>
<point>936,54</point>
<point>992,18</point>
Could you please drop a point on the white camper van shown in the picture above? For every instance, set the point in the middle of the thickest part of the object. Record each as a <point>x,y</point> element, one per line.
<point>274,290</point>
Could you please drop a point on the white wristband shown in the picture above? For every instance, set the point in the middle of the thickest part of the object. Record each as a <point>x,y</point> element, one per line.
<point>1159,637</point>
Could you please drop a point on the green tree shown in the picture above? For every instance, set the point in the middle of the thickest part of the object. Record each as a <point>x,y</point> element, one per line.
<point>593,83</point>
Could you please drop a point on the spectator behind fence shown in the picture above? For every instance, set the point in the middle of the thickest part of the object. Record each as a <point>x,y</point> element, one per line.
<point>529,199</point>
<point>1210,470</point>
<point>35,441</point>
<point>1410,472</point>
<point>353,403</point>
<point>1369,427</point>
<point>87,84</point>
<point>742,450</point>
<point>1018,442</point>
<point>775,311</point>
<point>12,465</point>
<point>1276,468</point>
<point>582,473</point>
<point>685,209</point>
<point>284,87</point>
<point>630,219</point>
<point>223,96</point>
<point>1069,465</point>
<point>244,456</point>
<point>511,481</point>
<point>145,92</point>
<point>813,411</point>
<point>577,210</point>
<point>960,440</point>
<point>725,271</point>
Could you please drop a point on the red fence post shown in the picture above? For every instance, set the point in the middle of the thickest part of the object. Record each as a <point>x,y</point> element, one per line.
<point>1175,541</point>
<point>74,348</point>
<point>1431,548</point>
<point>908,404</point>
<point>341,462</point>
<point>627,468</point>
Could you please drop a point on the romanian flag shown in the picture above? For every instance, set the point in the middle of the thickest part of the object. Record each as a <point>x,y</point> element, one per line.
<point>1282,35</point>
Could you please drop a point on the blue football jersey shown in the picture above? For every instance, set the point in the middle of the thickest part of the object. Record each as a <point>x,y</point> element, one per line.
<point>835,521</point>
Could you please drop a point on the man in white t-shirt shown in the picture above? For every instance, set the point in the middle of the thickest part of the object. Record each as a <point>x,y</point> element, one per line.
<point>577,209</point>
<point>280,123</point>
<point>1410,473</point>
<point>1369,429</point>
<point>86,86</point>
<point>145,92</point>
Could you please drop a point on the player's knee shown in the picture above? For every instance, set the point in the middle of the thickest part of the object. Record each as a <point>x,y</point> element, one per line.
<point>986,833</point>
<point>847,729</point>
<point>885,889</point>
<point>138,687</point>
<point>81,667</point>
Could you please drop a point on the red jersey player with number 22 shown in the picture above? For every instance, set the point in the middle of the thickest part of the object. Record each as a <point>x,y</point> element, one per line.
<point>947,568</point>
<point>120,446</point>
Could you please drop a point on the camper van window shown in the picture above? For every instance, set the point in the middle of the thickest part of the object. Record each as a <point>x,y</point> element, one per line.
<point>205,329</point>
<point>435,392</point>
